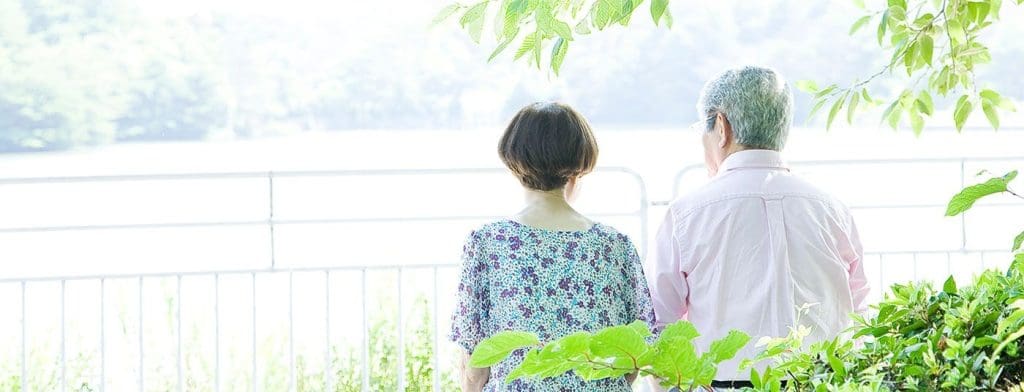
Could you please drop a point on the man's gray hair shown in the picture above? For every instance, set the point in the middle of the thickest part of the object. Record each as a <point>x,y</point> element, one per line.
<point>757,102</point>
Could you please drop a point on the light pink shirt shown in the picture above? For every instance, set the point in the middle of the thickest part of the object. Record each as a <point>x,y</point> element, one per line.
<point>749,248</point>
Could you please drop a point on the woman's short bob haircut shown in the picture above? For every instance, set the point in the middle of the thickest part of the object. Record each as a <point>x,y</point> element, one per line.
<point>546,144</point>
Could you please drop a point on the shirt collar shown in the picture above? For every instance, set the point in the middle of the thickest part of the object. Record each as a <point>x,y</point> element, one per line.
<point>753,159</point>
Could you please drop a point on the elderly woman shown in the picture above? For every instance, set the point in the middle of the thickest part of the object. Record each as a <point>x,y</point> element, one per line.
<point>548,269</point>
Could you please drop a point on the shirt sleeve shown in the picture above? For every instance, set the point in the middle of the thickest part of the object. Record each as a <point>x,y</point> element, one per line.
<point>472,303</point>
<point>669,290</point>
<point>643,309</point>
<point>853,253</point>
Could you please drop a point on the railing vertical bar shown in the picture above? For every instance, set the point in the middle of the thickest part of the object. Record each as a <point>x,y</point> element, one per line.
<point>949,263</point>
<point>366,338</point>
<point>24,339</point>
<point>142,351</point>
<point>328,377</point>
<point>63,338</point>
<point>881,273</point>
<point>254,332</point>
<point>916,276</point>
<point>981,260</point>
<point>291,332</point>
<point>216,332</point>
<point>644,205</point>
<point>963,216</point>
<point>177,322</point>
<point>103,335</point>
<point>437,343</point>
<point>401,337</point>
<point>270,218</point>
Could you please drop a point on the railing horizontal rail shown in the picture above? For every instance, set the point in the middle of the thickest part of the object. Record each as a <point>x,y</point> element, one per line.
<point>275,174</point>
<point>276,222</point>
<point>171,274</point>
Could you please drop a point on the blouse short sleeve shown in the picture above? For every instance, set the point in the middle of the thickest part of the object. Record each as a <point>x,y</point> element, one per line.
<point>642,306</point>
<point>472,303</point>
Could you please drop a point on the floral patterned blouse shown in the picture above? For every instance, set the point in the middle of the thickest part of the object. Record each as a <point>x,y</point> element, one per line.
<point>552,283</point>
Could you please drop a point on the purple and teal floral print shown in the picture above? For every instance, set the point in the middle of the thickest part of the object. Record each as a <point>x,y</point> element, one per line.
<point>552,283</point>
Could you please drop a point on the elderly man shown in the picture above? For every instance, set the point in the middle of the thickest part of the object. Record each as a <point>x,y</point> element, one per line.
<point>756,243</point>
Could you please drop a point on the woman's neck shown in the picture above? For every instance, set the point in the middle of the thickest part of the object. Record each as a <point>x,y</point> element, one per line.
<point>550,210</point>
<point>549,200</point>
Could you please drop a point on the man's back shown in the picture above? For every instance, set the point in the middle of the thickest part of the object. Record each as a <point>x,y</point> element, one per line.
<point>751,247</point>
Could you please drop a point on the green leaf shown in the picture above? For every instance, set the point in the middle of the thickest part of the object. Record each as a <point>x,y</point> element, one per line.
<point>910,57</point>
<point>669,20</point>
<point>826,91</point>
<point>867,98</point>
<point>916,121</point>
<point>996,100</point>
<point>956,31</point>
<point>501,47</point>
<point>924,103</point>
<point>892,114</point>
<point>603,13</point>
<point>621,341</point>
<point>537,48</point>
<point>755,378</point>
<point>677,362</point>
<point>583,28</point>
<point>836,107</point>
<point>528,43</point>
<point>897,13</point>
<point>558,54</point>
<point>591,374</point>
<point>1017,242</point>
<point>818,104</point>
<point>530,365</point>
<point>926,48</point>
<point>990,113</point>
<point>445,13</point>
<point>680,329</point>
<point>964,200</point>
<point>807,86</point>
<point>837,365</point>
<point>549,24</point>
<point>496,348</point>
<point>859,23</point>
<point>725,348</point>
<point>852,108</point>
<point>473,20</point>
<point>882,26</point>
<point>658,9</point>
<point>963,110</point>
<point>950,286</point>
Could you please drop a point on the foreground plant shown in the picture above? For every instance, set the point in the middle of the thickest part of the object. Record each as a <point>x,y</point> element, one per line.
<point>921,339</point>
<point>616,351</point>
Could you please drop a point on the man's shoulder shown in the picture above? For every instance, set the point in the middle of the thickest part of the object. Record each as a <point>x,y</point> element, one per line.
<point>734,187</point>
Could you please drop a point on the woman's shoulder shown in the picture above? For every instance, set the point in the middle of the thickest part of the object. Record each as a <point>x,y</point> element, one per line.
<point>611,233</point>
<point>491,229</point>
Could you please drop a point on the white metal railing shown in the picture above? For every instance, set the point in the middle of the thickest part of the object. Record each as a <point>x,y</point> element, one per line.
<point>434,271</point>
<point>270,222</point>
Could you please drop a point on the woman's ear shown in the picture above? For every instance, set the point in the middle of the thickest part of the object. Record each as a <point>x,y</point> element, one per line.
<point>571,189</point>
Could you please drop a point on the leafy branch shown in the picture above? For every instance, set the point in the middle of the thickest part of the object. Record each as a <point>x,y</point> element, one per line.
<point>964,200</point>
<point>614,352</point>
<point>911,39</point>
<point>539,24</point>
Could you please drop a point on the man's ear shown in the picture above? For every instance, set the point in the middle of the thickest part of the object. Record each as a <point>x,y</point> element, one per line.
<point>724,130</point>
